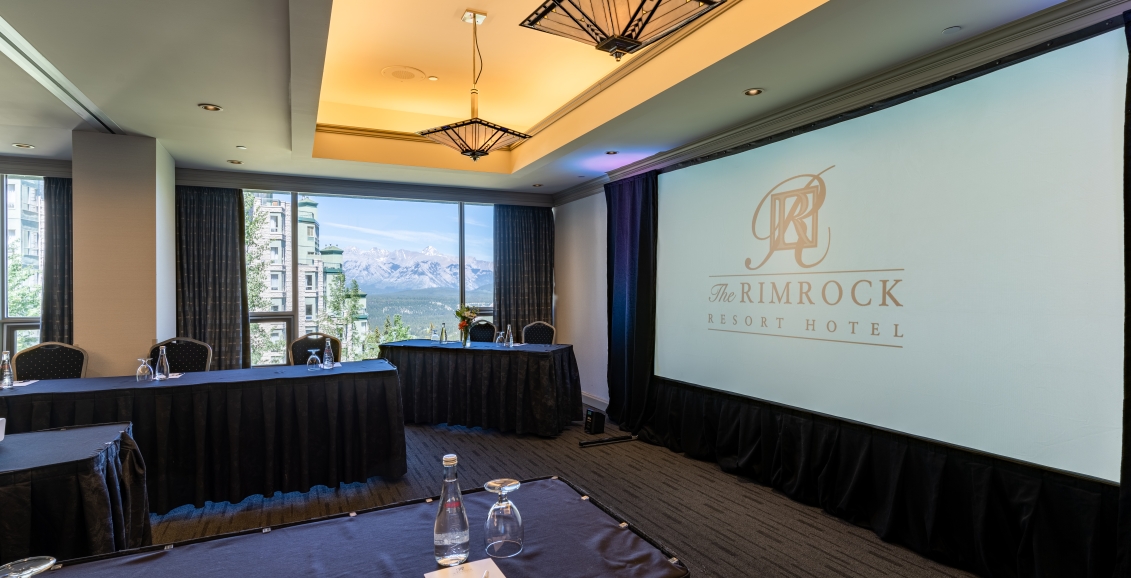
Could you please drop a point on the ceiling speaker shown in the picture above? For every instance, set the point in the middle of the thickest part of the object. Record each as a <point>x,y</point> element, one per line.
<point>403,73</point>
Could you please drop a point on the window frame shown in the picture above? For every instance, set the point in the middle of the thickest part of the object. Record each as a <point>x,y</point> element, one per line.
<point>8,323</point>
<point>296,317</point>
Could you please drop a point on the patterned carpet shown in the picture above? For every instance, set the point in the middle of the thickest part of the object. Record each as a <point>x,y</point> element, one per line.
<point>718,524</point>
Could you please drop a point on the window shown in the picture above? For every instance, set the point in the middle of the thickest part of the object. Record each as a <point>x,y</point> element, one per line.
<point>23,273</point>
<point>267,232</point>
<point>366,270</point>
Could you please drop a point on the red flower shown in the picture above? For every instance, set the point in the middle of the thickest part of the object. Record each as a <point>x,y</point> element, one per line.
<point>463,325</point>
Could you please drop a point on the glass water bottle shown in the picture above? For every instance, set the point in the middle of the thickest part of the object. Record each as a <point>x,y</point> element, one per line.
<point>443,333</point>
<point>451,535</point>
<point>328,356</point>
<point>6,369</point>
<point>161,368</point>
<point>510,337</point>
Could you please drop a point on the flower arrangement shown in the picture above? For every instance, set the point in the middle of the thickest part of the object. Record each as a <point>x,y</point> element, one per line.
<point>466,314</point>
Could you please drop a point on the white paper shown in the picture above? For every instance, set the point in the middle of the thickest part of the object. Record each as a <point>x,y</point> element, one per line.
<point>23,383</point>
<point>175,375</point>
<point>474,569</point>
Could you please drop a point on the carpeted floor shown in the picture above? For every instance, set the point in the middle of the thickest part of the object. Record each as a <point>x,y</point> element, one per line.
<point>718,524</point>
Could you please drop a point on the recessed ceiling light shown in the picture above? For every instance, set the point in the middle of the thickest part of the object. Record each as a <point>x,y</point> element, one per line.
<point>753,91</point>
<point>241,147</point>
<point>433,78</point>
<point>21,145</point>
<point>210,107</point>
<point>236,162</point>
<point>537,185</point>
<point>952,30</point>
<point>610,152</point>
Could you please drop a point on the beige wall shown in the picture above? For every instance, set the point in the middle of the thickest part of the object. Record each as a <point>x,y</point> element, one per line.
<point>124,296</point>
<point>580,300</point>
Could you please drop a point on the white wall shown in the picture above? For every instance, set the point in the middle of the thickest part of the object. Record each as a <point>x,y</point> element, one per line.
<point>165,215</point>
<point>580,301</point>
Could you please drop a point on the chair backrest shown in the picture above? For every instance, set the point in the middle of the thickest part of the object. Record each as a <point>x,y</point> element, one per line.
<point>184,354</point>
<point>50,360</point>
<point>299,351</point>
<point>539,332</point>
<point>483,331</point>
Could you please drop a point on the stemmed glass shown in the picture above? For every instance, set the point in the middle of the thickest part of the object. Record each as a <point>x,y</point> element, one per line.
<point>144,371</point>
<point>27,567</point>
<point>502,533</point>
<point>313,363</point>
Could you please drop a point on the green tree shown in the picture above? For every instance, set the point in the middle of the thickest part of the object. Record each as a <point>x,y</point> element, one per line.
<point>255,250</point>
<point>24,295</point>
<point>340,315</point>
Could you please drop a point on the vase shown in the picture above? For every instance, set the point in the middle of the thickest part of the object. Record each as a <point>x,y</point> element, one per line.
<point>465,337</point>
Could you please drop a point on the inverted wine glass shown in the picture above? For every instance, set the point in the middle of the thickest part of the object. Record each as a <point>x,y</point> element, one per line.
<point>144,371</point>
<point>26,567</point>
<point>312,362</point>
<point>503,532</point>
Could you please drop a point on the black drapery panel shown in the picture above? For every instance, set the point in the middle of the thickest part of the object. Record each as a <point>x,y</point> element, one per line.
<point>991,516</point>
<point>1124,555</point>
<point>524,266</point>
<point>212,301</point>
<point>632,212</point>
<point>57,317</point>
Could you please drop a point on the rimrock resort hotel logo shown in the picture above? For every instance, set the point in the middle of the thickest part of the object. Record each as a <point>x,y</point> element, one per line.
<point>804,301</point>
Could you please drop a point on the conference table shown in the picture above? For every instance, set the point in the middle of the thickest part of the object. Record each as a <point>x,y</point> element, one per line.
<point>72,492</point>
<point>567,535</point>
<point>523,389</point>
<point>226,435</point>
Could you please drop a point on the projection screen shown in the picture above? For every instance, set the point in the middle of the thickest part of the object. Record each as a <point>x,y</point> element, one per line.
<point>950,267</point>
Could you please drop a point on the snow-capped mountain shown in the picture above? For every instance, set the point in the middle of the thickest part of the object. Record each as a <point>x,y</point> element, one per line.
<point>383,271</point>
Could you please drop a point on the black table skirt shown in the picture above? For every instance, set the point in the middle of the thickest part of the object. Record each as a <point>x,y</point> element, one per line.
<point>532,389</point>
<point>226,435</point>
<point>565,537</point>
<point>72,493</point>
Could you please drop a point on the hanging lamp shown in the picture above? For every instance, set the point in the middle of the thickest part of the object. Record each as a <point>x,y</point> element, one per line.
<point>474,137</point>
<point>618,27</point>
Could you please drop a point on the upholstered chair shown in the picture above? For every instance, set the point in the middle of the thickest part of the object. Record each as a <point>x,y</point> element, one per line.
<point>50,360</point>
<point>483,331</point>
<point>184,354</point>
<point>299,351</point>
<point>539,333</point>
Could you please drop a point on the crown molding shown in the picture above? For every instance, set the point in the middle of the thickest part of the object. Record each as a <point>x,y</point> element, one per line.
<point>372,133</point>
<point>17,165</point>
<point>1014,37</point>
<point>577,192</point>
<point>376,189</point>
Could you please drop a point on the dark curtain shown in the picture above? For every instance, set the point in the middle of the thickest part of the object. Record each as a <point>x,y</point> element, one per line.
<point>524,266</point>
<point>212,301</point>
<point>56,319</point>
<point>1124,550</point>
<point>994,517</point>
<point>632,211</point>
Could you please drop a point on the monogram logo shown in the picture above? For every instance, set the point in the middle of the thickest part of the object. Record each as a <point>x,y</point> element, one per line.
<point>793,219</point>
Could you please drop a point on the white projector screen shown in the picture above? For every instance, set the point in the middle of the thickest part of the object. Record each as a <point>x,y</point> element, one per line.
<point>951,267</point>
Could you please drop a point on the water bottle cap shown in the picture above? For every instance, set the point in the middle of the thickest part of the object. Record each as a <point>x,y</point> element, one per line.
<point>450,460</point>
<point>162,349</point>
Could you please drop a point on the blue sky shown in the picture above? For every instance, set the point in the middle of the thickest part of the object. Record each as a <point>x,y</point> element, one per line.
<point>411,225</point>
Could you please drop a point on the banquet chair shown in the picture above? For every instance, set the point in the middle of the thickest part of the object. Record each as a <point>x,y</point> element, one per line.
<point>299,351</point>
<point>50,360</point>
<point>539,332</point>
<point>483,331</point>
<point>184,354</point>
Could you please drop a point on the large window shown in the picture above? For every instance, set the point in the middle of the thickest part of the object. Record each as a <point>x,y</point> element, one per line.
<point>365,270</point>
<point>23,265</point>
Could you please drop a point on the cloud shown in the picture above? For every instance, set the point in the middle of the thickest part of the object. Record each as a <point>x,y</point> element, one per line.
<point>421,238</point>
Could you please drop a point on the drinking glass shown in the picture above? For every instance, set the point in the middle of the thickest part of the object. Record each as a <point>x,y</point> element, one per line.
<point>144,371</point>
<point>501,339</point>
<point>502,533</point>
<point>312,362</point>
<point>27,567</point>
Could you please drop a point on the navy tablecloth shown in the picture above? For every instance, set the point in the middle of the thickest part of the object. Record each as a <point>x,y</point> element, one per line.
<point>226,435</point>
<point>525,389</point>
<point>72,493</point>
<point>565,537</point>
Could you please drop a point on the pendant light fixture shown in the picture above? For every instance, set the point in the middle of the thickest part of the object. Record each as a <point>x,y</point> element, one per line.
<point>474,137</point>
<point>618,27</point>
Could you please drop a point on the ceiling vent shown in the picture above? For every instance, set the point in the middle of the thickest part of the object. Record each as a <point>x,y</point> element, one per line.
<point>403,73</point>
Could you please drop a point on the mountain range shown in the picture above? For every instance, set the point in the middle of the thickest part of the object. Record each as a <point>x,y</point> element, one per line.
<point>385,271</point>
